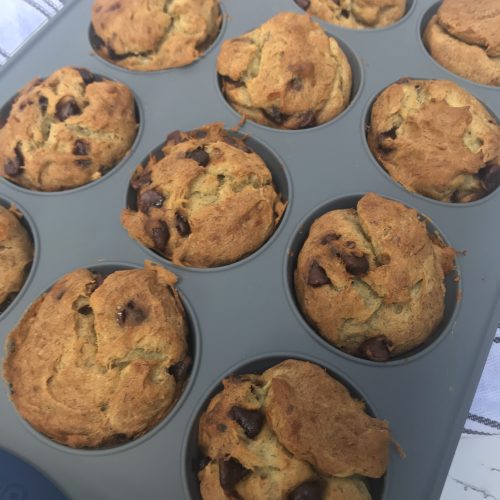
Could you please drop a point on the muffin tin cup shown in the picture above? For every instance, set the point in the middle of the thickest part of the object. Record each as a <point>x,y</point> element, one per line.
<point>191,454</point>
<point>245,309</point>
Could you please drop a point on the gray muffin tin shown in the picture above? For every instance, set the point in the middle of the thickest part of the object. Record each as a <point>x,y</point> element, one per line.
<point>244,315</point>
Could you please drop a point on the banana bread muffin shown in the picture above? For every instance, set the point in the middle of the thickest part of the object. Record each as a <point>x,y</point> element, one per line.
<point>208,202</point>
<point>271,437</point>
<point>97,361</point>
<point>153,35</point>
<point>16,254</point>
<point>66,130</point>
<point>371,280</point>
<point>356,13</point>
<point>436,139</point>
<point>464,37</point>
<point>288,73</point>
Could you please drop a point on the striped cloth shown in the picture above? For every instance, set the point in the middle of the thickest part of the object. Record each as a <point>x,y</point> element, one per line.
<point>20,18</point>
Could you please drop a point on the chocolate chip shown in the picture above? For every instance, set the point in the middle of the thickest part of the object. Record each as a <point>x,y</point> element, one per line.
<point>141,180</point>
<point>235,83</point>
<point>81,147</point>
<point>180,370</point>
<point>23,105</point>
<point>357,266</point>
<point>237,143</point>
<point>250,420</point>
<point>317,276</point>
<point>199,155</point>
<point>310,490</point>
<point>66,107</point>
<point>85,310</point>
<point>203,463</point>
<point>384,150</point>
<point>116,439</point>
<point>43,102</point>
<point>182,225</point>
<point>83,163</point>
<point>115,6</point>
<point>344,13</point>
<point>149,199</point>
<point>198,133</point>
<point>87,76</point>
<point>303,4</point>
<point>118,57</point>
<point>175,137</point>
<point>103,407</point>
<point>11,389</point>
<point>390,133</point>
<point>98,281</point>
<point>275,115</point>
<point>159,233</point>
<point>490,177</point>
<point>59,295</point>
<point>376,349</point>
<point>6,109</point>
<point>130,314</point>
<point>296,83</point>
<point>231,472</point>
<point>222,427</point>
<point>221,178</point>
<point>329,237</point>
<point>11,347</point>
<point>13,167</point>
<point>308,119</point>
<point>455,196</point>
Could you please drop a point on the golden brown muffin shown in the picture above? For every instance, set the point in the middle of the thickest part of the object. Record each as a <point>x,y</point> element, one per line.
<point>97,361</point>
<point>156,34</point>
<point>16,254</point>
<point>270,437</point>
<point>288,73</point>
<point>371,280</point>
<point>208,202</point>
<point>464,37</point>
<point>436,139</point>
<point>66,130</point>
<point>356,13</point>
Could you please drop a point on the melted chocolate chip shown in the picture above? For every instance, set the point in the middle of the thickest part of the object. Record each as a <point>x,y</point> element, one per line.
<point>66,107</point>
<point>159,233</point>
<point>344,13</point>
<point>115,6</point>
<point>307,120</point>
<point>180,370</point>
<point>317,276</point>
<point>149,199</point>
<point>357,266</point>
<point>87,76</point>
<point>85,310</point>
<point>141,180</point>
<point>43,102</point>
<point>329,237</point>
<point>199,155</point>
<point>182,225</point>
<point>14,166</point>
<point>11,347</point>
<point>390,133</point>
<point>231,472</point>
<point>250,420</point>
<point>237,143</point>
<point>81,147</point>
<point>203,463</point>
<point>376,349</point>
<point>130,314</point>
<point>222,427</point>
<point>296,83</point>
<point>275,115</point>
<point>11,389</point>
<point>198,133</point>
<point>6,109</point>
<point>98,281</point>
<point>83,163</point>
<point>310,490</point>
<point>175,137</point>
<point>490,177</point>
<point>303,4</point>
<point>235,83</point>
<point>116,439</point>
<point>118,57</point>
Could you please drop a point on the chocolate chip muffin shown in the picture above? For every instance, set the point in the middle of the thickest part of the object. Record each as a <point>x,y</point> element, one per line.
<point>370,280</point>
<point>207,202</point>
<point>464,37</point>
<point>153,35</point>
<point>356,13</point>
<point>288,73</point>
<point>16,254</point>
<point>99,360</point>
<point>436,139</point>
<point>271,437</point>
<point>66,130</point>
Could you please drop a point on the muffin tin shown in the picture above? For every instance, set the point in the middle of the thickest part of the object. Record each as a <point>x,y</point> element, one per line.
<point>244,315</point>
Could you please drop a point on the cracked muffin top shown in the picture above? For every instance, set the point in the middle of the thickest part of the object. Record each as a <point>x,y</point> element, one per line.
<point>464,37</point>
<point>436,139</point>
<point>16,254</point>
<point>288,73</point>
<point>370,280</point>
<point>271,437</point>
<point>209,201</point>
<point>66,130</point>
<point>356,13</point>
<point>154,35</point>
<point>99,360</point>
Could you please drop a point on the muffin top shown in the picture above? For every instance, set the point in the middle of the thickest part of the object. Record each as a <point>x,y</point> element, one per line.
<point>356,13</point>
<point>153,35</point>
<point>464,37</point>
<point>97,361</point>
<point>207,202</point>
<point>66,130</point>
<point>288,73</point>
<point>371,280</point>
<point>16,253</point>
<point>271,437</point>
<point>436,139</point>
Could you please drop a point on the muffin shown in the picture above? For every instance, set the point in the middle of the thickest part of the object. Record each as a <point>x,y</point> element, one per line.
<point>208,201</point>
<point>66,130</point>
<point>271,437</point>
<point>16,254</point>
<point>436,139</point>
<point>99,360</point>
<point>287,74</point>
<point>464,37</point>
<point>370,280</point>
<point>153,35</point>
<point>357,14</point>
